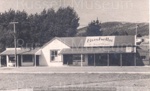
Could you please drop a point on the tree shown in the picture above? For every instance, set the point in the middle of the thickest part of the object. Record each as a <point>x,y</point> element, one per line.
<point>139,35</point>
<point>6,30</point>
<point>37,28</point>
<point>66,22</point>
<point>6,38</point>
<point>93,28</point>
<point>47,25</point>
<point>50,23</point>
<point>116,33</point>
<point>124,33</point>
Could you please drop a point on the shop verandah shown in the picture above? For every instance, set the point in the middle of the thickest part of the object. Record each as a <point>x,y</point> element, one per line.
<point>99,57</point>
<point>25,57</point>
<point>114,59</point>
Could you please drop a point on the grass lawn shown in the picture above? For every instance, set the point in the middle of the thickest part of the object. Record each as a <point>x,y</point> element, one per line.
<point>103,81</point>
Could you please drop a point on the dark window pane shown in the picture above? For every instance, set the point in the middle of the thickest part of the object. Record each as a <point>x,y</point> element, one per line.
<point>52,52</point>
<point>27,58</point>
<point>55,53</point>
<point>52,58</point>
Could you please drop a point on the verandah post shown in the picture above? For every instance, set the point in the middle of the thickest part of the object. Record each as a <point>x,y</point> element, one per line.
<point>135,59</point>
<point>121,59</point>
<point>94,59</point>
<point>81,60</point>
<point>108,59</point>
<point>35,60</point>
<point>21,59</point>
<point>7,59</point>
<point>17,60</point>
<point>0,61</point>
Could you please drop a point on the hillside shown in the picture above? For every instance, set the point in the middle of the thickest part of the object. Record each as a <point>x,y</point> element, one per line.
<point>110,28</point>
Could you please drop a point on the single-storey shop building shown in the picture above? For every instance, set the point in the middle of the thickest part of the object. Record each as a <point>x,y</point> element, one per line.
<point>77,51</point>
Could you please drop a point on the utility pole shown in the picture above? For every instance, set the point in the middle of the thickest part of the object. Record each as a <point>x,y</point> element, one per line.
<point>135,44</point>
<point>136,32</point>
<point>15,42</point>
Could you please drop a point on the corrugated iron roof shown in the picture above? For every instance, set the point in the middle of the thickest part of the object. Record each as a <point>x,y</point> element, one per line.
<point>79,41</point>
<point>92,50</point>
<point>73,41</point>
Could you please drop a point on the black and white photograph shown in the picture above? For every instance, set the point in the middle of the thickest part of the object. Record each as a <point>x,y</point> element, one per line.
<point>74,45</point>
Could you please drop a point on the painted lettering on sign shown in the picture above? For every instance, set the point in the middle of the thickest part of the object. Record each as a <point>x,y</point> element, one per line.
<point>99,41</point>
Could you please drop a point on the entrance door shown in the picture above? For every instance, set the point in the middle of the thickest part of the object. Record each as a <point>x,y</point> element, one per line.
<point>101,59</point>
<point>91,59</point>
<point>3,61</point>
<point>128,59</point>
<point>67,59</point>
<point>37,60</point>
<point>19,60</point>
<point>115,59</point>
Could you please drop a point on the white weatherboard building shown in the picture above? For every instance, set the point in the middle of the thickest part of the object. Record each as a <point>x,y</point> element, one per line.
<point>77,51</point>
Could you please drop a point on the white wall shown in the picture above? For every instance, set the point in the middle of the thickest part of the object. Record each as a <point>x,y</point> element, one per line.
<point>44,59</point>
<point>27,64</point>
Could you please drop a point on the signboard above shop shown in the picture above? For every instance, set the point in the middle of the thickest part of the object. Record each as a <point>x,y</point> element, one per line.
<point>99,41</point>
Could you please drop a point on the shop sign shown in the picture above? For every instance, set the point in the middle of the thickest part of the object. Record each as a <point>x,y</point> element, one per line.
<point>99,41</point>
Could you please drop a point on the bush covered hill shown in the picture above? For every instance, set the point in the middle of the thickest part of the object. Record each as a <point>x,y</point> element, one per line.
<point>120,28</point>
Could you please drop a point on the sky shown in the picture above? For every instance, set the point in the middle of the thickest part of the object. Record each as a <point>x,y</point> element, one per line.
<point>87,10</point>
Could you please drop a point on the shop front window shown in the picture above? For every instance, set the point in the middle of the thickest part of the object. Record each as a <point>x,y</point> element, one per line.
<point>12,58</point>
<point>27,58</point>
<point>78,57</point>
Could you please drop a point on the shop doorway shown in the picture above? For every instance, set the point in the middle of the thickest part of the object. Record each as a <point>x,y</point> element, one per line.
<point>91,60</point>
<point>67,59</point>
<point>101,59</point>
<point>114,59</point>
<point>37,60</point>
<point>3,61</point>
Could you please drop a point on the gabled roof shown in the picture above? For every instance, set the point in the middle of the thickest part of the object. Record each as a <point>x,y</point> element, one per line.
<point>79,41</point>
<point>125,40</point>
<point>51,41</point>
<point>73,41</point>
